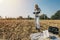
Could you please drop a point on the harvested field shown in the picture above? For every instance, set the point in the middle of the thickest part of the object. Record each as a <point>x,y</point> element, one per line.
<point>21,29</point>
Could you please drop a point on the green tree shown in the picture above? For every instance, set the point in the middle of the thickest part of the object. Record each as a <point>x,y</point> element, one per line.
<point>44,16</point>
<point>56,15</point>
<point>20,17</point>
<point>30,17</point>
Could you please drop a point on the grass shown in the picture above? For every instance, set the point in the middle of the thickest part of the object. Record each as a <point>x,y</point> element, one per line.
<point>21,29</point>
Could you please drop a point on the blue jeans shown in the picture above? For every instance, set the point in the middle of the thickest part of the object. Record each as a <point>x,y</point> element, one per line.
<point>37,22</point>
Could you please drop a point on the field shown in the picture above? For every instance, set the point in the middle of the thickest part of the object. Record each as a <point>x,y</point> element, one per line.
<point>21,29</point>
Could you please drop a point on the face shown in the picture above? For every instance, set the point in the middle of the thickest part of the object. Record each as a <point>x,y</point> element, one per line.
<point>36,6</point>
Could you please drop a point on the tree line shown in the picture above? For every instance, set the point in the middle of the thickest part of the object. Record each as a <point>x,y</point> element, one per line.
<point>56,16</point>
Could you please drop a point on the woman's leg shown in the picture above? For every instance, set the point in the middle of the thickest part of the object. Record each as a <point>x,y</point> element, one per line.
<point>37,23</point>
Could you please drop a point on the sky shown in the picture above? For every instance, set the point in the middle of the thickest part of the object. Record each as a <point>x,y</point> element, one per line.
<point>16,8</point>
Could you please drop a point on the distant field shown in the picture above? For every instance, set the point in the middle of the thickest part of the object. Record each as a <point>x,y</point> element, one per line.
<point>21,29</point>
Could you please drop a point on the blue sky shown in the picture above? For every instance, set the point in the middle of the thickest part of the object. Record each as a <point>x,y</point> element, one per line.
<point>15,8</point>
<point>49,7</point>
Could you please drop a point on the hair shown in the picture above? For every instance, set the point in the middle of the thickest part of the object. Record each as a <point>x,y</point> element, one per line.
<point>36,6</point>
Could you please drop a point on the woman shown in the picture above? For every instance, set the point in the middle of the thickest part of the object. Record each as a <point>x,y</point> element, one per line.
<point>36,12</point>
